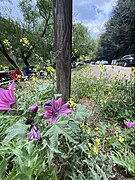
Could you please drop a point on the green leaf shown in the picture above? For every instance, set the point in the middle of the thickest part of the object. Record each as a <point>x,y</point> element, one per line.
<point>3,166</point>
<point>18,129</point>
<point>60,128</point>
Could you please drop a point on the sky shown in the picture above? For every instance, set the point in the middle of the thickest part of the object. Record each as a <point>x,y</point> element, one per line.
<point>91,13</point>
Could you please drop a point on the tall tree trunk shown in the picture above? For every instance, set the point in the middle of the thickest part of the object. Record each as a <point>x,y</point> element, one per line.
<point>63,44</point>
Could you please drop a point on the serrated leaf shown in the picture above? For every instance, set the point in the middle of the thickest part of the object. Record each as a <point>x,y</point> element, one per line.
<point>60,128</point>
<point>18,129</point>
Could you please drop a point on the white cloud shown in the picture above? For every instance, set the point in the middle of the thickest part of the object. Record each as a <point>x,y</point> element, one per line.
<point>93,13</point>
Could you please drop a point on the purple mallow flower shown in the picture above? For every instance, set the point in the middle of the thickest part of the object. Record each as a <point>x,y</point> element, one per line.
<point>7,97</point>
<point>34,133</point>
<point>33,108</point>
<point>52,112</point>
<point>129,124</point>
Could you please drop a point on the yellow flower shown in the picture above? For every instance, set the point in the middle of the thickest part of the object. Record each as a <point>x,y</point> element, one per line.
<point>96,129</point>
<point>97,140</point>
<point>109,93</point>
<point>24,41</point>
<point>19,76</point>
<point>82,125</point>
<point>95,150</point>
<point>88,131</point>
<point>121,139</point>
<point>72,103</point>
<point>116,75</point>
<point>89,144</point>
<point>89,155</point>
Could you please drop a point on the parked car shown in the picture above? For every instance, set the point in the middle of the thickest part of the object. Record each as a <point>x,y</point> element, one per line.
<point>114,61</point>
<point>92,62</point>
<point>127,60</point>
<point>104,62</point>
<point>80,63</point>
<point>98,62</point>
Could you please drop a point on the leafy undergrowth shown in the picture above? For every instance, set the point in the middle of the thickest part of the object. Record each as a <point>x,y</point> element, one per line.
<point>41,139</point>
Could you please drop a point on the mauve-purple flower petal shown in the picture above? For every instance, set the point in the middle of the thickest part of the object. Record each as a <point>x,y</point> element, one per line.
<point>47,115</point>
<point>64,109</point>
<point>53,120</point>
<point>7,97</point>
<point>34,133</point>
<point>4,106</point>
<point>48,108</point>
<point>56,104</point>
<point>129,124</point>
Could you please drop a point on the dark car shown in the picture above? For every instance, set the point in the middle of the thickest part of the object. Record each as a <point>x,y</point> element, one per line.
<point>127,60</point>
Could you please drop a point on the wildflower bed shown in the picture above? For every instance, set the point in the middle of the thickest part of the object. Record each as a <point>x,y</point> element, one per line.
<point>43,139</point>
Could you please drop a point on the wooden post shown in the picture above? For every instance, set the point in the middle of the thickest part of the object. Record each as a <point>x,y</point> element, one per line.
<point>63,44</point>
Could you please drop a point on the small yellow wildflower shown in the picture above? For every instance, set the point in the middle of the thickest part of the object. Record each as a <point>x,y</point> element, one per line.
<point>116,75</point>
<point>25,41</point>
<point>82,125</point>
<point>96,129</point>
<point>89,155</point>
<point>109,93</point>
<point>121,139</point>
<point>97,140</point>
<point>72,103</point>
<point>95,150</point>
<point>87,124</point>
<point>7,43</point>
<point>89,144</point>
<point>124,74</point>
<point>88,131</point>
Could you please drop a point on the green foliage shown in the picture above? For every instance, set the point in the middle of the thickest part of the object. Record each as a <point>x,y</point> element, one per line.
<point>77,146</point>
<point>114,98</point>
<point>118,37</point>
<point>82,42</point>
<point>125,159</point>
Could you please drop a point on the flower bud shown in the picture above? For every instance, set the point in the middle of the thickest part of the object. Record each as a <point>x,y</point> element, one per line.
<point>29,121</point>
<point>33,108</point>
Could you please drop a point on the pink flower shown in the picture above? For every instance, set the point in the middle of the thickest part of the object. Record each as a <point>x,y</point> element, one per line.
<point>52,112</point>
<point>7,97</point>
<point>33,108</point>
<point>129,124</point>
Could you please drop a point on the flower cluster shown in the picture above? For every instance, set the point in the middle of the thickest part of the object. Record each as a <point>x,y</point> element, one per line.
<point>25,41</point>
<point>7,43</point>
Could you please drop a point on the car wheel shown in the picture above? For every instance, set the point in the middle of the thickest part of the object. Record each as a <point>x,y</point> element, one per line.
<point>125,64</point>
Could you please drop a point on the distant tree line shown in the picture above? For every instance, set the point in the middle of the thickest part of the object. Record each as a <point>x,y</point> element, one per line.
<point>119,36</point>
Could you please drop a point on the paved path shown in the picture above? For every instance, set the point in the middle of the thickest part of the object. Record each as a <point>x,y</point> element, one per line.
<point>112,70</point>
